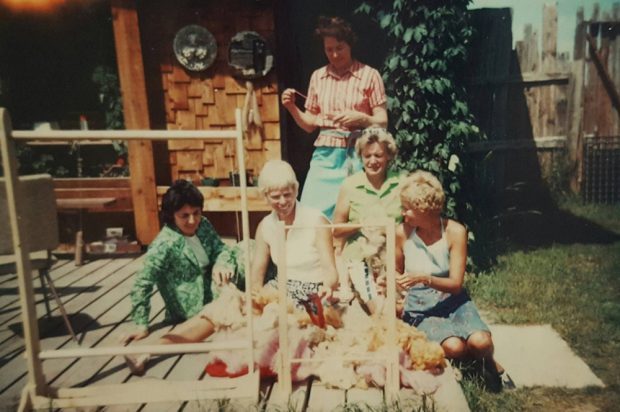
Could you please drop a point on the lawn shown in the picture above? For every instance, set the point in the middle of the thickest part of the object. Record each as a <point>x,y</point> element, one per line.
<point>571,282</point>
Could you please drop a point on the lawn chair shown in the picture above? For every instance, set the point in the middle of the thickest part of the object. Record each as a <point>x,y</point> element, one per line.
<point>41,228</point>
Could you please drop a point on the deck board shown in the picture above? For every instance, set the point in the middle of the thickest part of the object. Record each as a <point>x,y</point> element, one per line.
<point>96,296</point>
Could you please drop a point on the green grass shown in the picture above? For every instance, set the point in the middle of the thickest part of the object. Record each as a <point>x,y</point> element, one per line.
<point>576,289</point>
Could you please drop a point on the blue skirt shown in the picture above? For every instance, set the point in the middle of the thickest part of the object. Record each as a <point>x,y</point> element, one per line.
<point>328,169</point>
<point>442,315</point>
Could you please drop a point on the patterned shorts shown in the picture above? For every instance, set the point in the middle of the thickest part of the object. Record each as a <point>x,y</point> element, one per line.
<point>298,290</point>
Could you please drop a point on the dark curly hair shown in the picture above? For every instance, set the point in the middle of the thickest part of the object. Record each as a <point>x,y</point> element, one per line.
<point>181,193</point>
<point>336,27</point>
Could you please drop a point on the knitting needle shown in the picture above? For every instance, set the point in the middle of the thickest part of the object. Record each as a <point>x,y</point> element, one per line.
<point>301,95</point>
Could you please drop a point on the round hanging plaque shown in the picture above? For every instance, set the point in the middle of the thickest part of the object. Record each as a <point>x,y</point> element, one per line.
<point>195,47</point>
<point>249,55</point>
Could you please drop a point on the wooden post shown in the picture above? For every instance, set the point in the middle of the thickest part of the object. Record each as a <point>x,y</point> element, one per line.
<point>36,380</point>
<point>392,383</point>
<point>575,106</point>
<point>136,112</point>
<point>245,227</point>
<point>548,64</point>
<point>284,373</point>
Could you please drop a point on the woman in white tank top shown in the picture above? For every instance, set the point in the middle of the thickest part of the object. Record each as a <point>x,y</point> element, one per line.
<point>310,263</point>
<point>431,254</point>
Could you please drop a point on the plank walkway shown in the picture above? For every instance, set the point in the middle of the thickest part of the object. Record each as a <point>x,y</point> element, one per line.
<point>96,296</point>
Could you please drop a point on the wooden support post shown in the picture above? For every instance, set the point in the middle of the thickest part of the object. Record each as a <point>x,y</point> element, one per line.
<point>575,126</point>
<point>245,228</point>
<point>284,372</point>
<point>21,249</point>
<point>136,112</point>
<point>575,106</point>
<point>392,383</point>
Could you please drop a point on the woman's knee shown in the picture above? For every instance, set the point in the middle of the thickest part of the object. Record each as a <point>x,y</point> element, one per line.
<point>480,342</point>
<point>454,348</point>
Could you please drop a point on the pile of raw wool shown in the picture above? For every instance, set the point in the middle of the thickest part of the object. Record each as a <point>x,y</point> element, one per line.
<point>342,350</point>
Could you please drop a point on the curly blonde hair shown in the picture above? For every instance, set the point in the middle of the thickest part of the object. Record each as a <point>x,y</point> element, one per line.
<point>376,135</point>
<point>421,190</point>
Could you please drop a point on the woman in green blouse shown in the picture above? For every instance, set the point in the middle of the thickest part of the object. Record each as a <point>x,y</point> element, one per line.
<point>367,197</point>
<point>186,261</point>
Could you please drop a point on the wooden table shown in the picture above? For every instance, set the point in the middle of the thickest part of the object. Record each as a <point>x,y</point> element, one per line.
<point>81,205</point>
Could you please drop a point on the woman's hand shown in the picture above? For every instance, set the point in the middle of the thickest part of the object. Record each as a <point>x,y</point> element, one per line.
<point>351,119</point>
<point>137,335</point>
<point>221,276</point>
<point>288,98</point>
<point>327,293</point>
<point>407,280</point>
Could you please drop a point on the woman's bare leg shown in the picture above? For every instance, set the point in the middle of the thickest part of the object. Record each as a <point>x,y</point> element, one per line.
<point>192,330</point>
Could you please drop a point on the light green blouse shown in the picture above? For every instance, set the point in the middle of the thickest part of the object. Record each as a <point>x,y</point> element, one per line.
<point>369,204</point>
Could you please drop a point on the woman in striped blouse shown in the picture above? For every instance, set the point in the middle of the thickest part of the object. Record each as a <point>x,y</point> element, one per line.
<point>343,96</point>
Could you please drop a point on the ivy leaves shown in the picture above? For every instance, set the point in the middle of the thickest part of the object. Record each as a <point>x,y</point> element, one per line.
<point>428,111</point>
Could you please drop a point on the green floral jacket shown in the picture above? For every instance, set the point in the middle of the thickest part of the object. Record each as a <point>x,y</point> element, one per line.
<point>172,266</point>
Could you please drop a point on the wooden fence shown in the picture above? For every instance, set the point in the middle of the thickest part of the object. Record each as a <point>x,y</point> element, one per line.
<point>535,104</point>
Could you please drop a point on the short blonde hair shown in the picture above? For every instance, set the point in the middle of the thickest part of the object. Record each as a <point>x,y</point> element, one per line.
<point>422,191</point>
<point>276,175</point>
<point>376,135</point>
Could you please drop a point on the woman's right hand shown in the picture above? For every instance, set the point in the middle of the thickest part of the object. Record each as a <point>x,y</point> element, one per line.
<point>288,98</point>
<point>407,280</point>
<point>137,335</point>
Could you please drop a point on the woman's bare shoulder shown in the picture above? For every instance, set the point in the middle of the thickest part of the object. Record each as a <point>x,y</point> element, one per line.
<point>455,230</point>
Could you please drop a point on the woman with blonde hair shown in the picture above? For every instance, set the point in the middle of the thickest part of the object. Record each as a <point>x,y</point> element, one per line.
<point>431,253</point>
<point>365,198</point>
<point>310,264</point>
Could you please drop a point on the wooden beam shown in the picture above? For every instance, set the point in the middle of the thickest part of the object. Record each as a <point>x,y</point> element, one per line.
<point>151,391</point>
<point>21,251</point>
<point>602,71</point>
<point>526,79</point>
<point>550,142</point>
<point>136,112</point>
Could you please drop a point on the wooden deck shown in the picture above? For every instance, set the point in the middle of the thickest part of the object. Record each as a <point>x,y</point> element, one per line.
<point>96,296</point>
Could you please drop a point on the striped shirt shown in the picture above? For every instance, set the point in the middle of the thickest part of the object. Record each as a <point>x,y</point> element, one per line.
<point>360,89</point>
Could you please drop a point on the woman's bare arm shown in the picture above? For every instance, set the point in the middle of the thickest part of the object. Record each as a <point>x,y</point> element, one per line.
<point>325,246</point>
<point>304,119</point>
<point>341,215</point>
<point>261,260</point>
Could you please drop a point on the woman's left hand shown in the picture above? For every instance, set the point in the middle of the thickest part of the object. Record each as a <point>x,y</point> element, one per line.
<point>221,276</point>
<point>326,293</point>
<point>351,119</point>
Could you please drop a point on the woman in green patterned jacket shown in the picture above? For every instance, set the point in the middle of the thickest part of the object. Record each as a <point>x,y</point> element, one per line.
<point>186,261</point>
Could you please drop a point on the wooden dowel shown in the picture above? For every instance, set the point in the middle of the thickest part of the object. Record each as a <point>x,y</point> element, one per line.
<point>337,225</point>
<point>348,358</point>
<point>59,135</point>
<point>177,348</point>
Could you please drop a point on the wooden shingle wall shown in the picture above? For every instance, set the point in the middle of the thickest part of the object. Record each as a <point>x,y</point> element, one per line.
<point>207,100</point>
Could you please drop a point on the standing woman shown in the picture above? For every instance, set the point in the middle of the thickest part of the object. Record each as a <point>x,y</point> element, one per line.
<point>343,96</point>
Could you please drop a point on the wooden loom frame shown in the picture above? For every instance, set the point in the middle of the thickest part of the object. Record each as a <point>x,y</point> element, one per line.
<point>37,393</point>
<point>392,384</point>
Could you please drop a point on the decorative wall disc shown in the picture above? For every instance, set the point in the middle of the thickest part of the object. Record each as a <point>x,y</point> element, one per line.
<point>195,47</point>
<point>249,55</point>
